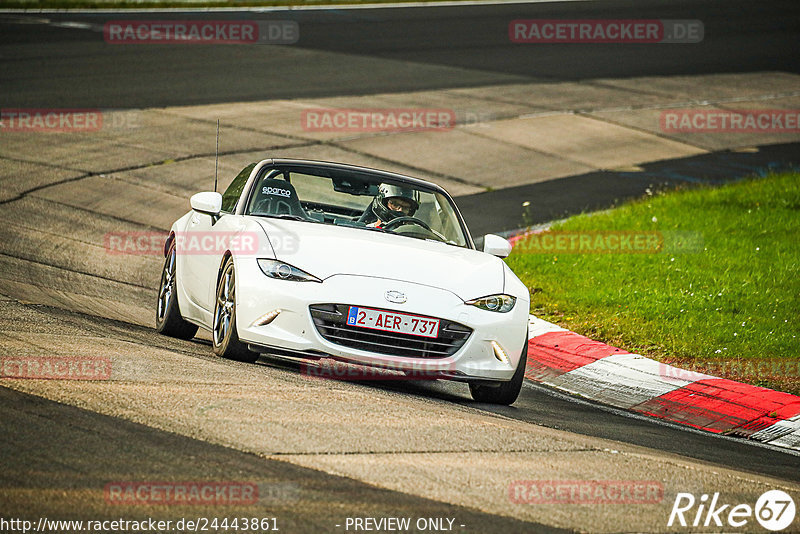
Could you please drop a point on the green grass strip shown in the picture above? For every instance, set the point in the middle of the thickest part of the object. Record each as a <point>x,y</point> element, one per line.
<point>719,293</point>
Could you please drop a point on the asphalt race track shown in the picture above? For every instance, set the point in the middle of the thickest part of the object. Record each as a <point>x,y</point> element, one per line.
<point>359,52</point>
<point>322,451</point>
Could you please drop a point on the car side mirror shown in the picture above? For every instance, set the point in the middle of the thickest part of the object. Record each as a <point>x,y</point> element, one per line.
<point>496,245</point>
<point>207,202</point>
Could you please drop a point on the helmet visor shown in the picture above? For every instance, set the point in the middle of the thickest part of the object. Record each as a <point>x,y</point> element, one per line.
<point>400,207</point>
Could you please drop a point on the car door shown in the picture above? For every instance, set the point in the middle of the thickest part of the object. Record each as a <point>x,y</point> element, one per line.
<point>206,240</point>
<point>196,246</point>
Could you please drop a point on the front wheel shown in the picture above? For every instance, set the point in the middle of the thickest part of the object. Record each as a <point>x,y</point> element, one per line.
<point>169,320</point>
<point>225,338</point>
<point>507,392</point>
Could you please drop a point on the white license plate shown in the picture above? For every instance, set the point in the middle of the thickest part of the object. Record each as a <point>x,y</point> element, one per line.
<point>393,322</point>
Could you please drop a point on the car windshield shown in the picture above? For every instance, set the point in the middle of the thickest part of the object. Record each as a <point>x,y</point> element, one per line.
<point>357,200</point>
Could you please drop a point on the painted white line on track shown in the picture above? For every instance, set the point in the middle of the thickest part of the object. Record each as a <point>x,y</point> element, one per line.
<point>75,25</point>
<point>785,433</point>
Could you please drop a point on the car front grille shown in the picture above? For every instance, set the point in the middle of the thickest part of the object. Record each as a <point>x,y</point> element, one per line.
<point>331,323</point>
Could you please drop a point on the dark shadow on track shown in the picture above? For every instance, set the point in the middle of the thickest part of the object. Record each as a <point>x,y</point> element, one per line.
<point>65,475</point>
<point>368,51</point>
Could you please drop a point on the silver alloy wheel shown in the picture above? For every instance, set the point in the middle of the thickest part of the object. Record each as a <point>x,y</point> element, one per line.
<point>167,278</point>
<point>224,307</point>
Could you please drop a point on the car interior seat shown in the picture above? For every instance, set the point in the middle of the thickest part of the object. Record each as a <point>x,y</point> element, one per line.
<point>277,197</point>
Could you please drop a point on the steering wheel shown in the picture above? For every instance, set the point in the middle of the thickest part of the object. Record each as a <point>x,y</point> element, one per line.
<point>399,221</point>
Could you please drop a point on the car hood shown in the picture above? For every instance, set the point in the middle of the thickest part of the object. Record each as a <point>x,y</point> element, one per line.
<point>326,250</point>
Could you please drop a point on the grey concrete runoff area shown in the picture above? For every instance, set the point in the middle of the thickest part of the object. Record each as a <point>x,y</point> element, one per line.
<point>523,148</point>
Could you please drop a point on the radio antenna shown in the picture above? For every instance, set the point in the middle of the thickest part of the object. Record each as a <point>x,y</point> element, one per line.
<point>216,159</point>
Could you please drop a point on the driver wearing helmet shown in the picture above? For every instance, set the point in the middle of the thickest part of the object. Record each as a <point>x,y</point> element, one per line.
<point>392,201</point>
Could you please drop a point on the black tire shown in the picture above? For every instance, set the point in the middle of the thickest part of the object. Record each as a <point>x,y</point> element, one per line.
<point>169,321</point>
<point>507,392</point>
<point>225,338</point>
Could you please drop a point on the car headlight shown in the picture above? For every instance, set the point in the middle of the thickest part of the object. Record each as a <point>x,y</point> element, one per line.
<point>284,271</point>
<point>495,303</point>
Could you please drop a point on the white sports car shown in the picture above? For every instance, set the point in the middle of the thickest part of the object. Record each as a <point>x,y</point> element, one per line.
<point>307,259</point>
